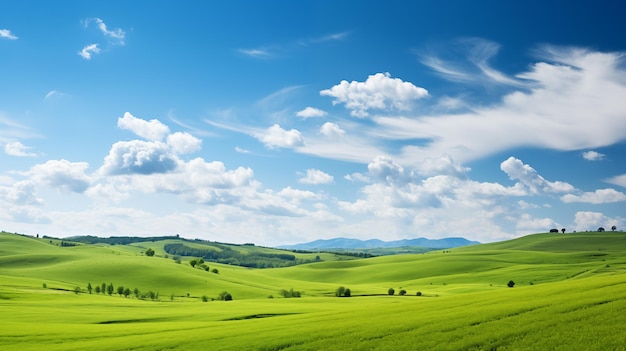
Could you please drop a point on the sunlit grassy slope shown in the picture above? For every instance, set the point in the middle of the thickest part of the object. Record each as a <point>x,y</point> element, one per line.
<point>570,294</point>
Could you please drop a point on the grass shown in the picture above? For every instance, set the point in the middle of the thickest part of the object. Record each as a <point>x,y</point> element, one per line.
<point>576,299</point>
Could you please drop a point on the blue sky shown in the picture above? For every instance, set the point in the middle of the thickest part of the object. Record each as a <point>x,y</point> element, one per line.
<point>281,122</point>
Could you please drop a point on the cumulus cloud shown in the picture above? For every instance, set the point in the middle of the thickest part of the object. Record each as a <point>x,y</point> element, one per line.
<point>21,193</point>
<point>591,221</point>
<point>89,50</point>
<point>600,196</point>
<point>593,156</point>
<point>528,176</point>
<point>138,156</point>
<point>6,34</point>
<point>16,148</point>
<point>62,174</point>
<point>183,143</point>
<point>386,169</point>
<point>331,129</point>
<point>152,130</point>
<point>310,112</point>
<point>315,176</point>
<point>379,91</point>
<point>277,137</point>
<point>441,165</point>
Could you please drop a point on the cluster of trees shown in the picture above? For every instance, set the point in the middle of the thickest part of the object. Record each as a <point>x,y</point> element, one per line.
<point>600,229</point>
<point>109,289</point>
<point>225,254</point>
<point>290,293</point>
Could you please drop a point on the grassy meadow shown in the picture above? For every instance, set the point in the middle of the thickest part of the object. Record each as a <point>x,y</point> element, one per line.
<point>569,294</point>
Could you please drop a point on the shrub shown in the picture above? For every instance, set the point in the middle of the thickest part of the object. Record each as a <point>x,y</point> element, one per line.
<point>402,292</point>
<point>225,296</point>
<point>391,291</point>
<point>419,293</point>
<point>510,284</point>
<point>149,252</point>
<point>214,270</point>
<point>205,298</point>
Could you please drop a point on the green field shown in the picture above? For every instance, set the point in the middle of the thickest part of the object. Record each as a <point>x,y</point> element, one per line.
<point>569,294</point>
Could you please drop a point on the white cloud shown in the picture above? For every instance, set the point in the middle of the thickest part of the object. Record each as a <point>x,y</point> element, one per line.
<point>6,34</point>
<point>16,148</point>
<point>310,112</point>
<point>385,169</point>
<point>117,34</point>
<point>379,91</point>
<point>331,129</point>
<point>241,150</point>
<point>593,156</point>
<point>258,53</point>
<point>617,180</point>
<point>183,143</point>
<point>62,174</point>
<point>528,176</point>
<point>276,137</point>
<point>441,165</point>
<point>357,177</point>
<point>89,50</point>
<point>591,221</point>
<point>600,196</point>
<point>21,193</point>
<point>152,130</point>
<point>315,176</point>
<point>139,157</point>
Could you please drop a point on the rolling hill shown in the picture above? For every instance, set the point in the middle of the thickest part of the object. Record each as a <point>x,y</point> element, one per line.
<point>348,243</point>
<point>569,293</point>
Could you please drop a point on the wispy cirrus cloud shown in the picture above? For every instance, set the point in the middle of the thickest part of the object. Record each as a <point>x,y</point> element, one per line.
<point>276,50</point>
<point>115,36</point>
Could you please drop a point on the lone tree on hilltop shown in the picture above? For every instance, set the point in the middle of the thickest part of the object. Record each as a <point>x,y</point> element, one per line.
<point>510,284</point>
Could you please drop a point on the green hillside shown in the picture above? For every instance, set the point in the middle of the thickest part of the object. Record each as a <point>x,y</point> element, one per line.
<point>569,293</point>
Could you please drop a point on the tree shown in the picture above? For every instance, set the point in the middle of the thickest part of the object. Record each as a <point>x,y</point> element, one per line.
<point>120,290</point>
<point>103,288</point>
<point>136,292</point>
<point>391,291</point>
<point>126,292</point>
<point>205,298</point>
<point>149,252</point>
<point>613,228</point>
<point>193,262</point>
<point>419,293</point>
<point>214,270</point>
<point>77,290</point>
<point>97,289</point>
<point>89,288</point>
<point>601,229</point>
<point>340,291</point>
<point>402,292</point>
<point>510,284</point>
<point>347,293</point>
<point>110,289</point>
<point>563,230</point>
<point>225,296</point>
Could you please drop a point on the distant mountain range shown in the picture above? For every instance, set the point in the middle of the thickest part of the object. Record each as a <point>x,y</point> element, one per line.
<point>347,243</point>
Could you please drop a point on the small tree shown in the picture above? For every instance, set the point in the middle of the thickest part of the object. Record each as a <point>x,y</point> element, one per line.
<point>391,291</point>
<point>340,291</point>
<point>613,228</point>
<point>103,288</point>
<point>193,262</point>
<point>225,296</point>
<point>89,288</point>
<point>601,229</point>
<point>563,230</point>
<point>510,284</point>
<point>402,292</point>
<point>110,289</point>
<point>347,293</point>
<point>149,252</point>
<point>126,292</point>
<point>205,298</point>
<point>97,289</point>
<point>77,290</point>
<point>419,293</point>
<point>214,270</point>
<point>136,292</point>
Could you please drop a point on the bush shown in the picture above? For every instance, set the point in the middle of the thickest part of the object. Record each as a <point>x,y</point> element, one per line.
<point>225,296</point>
<point>510,284</point>
<point>343,292</point>
<point>402,292</point>
<point>419,293</point>
<point>149,252</point>
<point>391,291</point>
<point>205,298</point>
